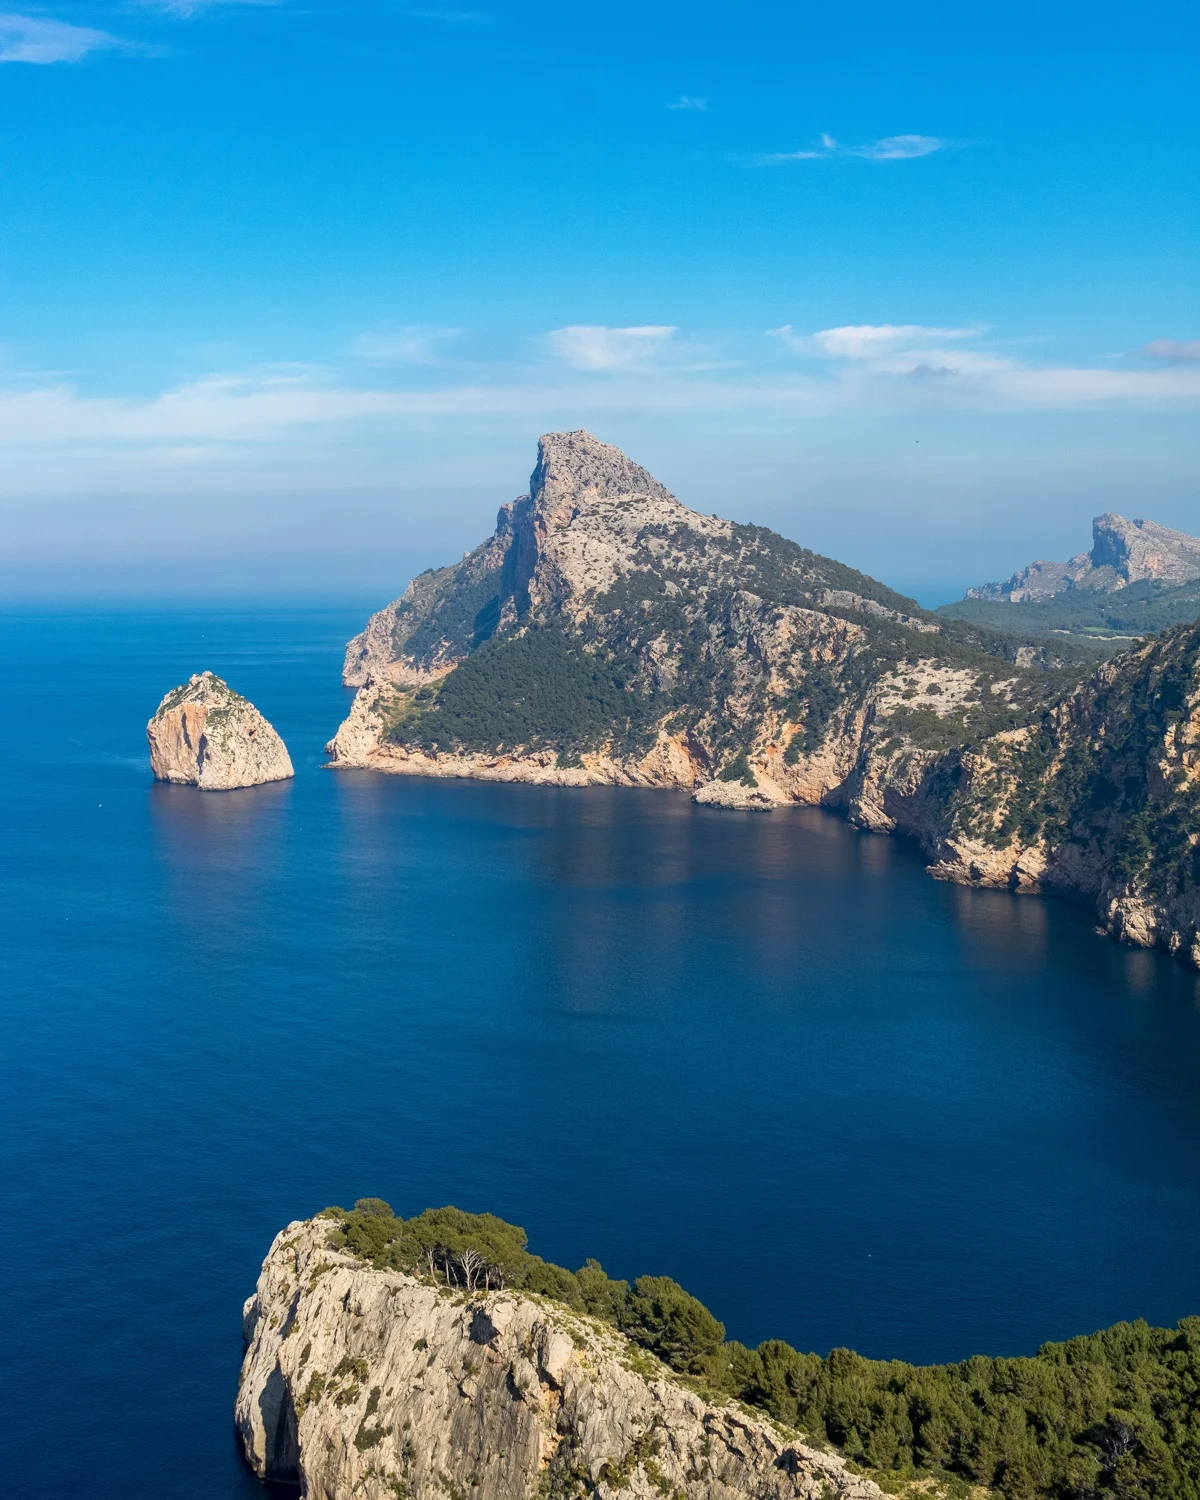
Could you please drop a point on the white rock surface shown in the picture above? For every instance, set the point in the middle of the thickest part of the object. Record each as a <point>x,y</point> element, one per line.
<point>372,1384</point>
<point>204,734</point>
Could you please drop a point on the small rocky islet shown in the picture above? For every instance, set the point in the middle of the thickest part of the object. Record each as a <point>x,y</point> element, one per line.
<point>203,734</point>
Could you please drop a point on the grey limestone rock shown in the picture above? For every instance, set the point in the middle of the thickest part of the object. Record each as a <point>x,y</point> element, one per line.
<point>373,1384</point>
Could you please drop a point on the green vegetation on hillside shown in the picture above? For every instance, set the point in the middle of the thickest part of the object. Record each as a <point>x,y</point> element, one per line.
<point>1090,784</point>
<point>537,688</point>
<point>591,686</point>
<point>1141,609</point>
<point>1112,1414</point>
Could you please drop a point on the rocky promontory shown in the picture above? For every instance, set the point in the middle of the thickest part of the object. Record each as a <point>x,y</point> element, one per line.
<point>204,734</point>
<point>378,1384</point>
<point>607,634</point>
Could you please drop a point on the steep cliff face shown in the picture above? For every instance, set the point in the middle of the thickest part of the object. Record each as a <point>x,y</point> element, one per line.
<point>204,734</point>
<point>1099,798</point>
<point>1123,552</point>
<point>607,633</point>
<point>374,1384</point>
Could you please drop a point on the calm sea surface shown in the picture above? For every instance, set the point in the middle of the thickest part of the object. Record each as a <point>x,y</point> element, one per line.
<point>840,1102</point>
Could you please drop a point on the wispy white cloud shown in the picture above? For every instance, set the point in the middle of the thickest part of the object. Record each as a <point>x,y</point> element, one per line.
<point>415,344</point>
<point>1173,351</point>
<point>193,7</point>
<point>889,148</point>
<point>865,340</point>
<point>256,421</point>
<point>906,363</point>
<point>33,39</point>
<point>689,101</point>
<point>596,347</point>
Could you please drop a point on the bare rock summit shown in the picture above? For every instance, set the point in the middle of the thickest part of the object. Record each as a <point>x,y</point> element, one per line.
<point>204,734</point>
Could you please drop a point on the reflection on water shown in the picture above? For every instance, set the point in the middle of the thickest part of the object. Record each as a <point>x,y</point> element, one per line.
<point>934,1120</point>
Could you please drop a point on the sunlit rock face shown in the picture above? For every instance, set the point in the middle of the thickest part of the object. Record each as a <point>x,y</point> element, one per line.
<point>204,734</point>
<point>374,1384</point>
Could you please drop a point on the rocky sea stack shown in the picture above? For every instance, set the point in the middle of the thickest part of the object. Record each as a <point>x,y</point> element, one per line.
<point>204,734</point>
<point>378,1384</point>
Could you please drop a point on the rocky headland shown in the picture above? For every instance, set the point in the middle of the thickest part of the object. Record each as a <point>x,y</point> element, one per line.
<point>383,1385</point>
<point>606,633</point>
<point>204,734</point>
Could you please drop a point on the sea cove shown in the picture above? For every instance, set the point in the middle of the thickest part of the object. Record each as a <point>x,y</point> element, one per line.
<point>841,1102</point>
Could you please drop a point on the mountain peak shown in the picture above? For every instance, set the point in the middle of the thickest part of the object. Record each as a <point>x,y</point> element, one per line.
<point>576,467</point>
<point>1123,552</point>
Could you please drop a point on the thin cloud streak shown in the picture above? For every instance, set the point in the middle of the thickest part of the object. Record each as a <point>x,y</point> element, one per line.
<point>889,148</point>
<point>32,39</point>
<point>588,346</point>
<point>185,8</point>
<point>232,413</point>
<point>864,340</point>
<point>412,345</point>
<point>688,101</point>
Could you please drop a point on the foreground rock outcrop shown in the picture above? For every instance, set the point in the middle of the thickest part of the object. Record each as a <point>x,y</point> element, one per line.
<point>204,734</point>
<point>377,1385</point>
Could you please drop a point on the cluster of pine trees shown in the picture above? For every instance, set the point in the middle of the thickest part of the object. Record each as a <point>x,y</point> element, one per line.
<point>1112,1414</point>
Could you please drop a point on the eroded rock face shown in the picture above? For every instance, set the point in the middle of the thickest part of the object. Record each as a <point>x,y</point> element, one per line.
<point>373,1384</point>
<point>204,734</point>
<point>764,674</point>
<point>1099,799</point>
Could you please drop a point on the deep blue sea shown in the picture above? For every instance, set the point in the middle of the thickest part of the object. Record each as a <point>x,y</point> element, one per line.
<point>840,1102</point>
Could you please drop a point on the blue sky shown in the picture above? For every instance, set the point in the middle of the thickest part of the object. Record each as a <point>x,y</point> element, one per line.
<point>288,291</point>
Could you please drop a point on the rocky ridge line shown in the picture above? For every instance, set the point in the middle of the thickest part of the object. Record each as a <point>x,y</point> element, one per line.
<point>765,675</point>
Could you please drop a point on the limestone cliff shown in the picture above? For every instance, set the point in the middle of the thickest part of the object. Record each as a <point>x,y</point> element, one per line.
<point>1098,798</point>
<point>204,734</point>
<point>606,633</point>
<point>377,1385</point>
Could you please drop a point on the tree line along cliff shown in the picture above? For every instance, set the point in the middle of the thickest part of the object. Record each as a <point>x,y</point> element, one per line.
<point>1111,1414</point>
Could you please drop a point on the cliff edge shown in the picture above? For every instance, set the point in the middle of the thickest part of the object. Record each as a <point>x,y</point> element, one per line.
<point>204,734</point>
<point>385,1386</point>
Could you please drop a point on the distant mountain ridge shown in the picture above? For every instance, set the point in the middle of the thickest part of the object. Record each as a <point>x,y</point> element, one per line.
<point>605,633</point>
<point>1123,552</point>
<point>1138,578</point>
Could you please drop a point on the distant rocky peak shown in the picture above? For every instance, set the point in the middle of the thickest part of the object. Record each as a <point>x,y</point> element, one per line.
<point>1123,552</point>
<point>1141,549</point>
